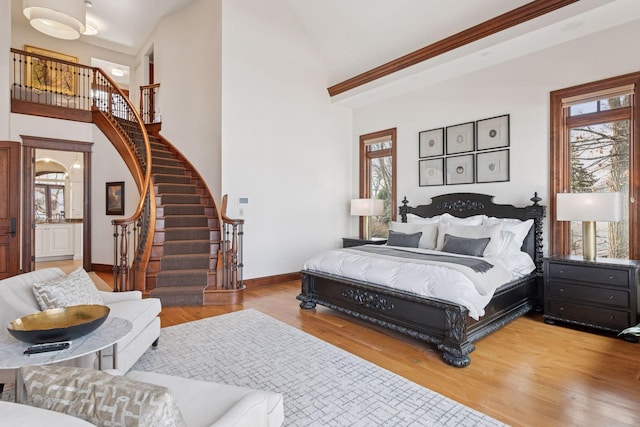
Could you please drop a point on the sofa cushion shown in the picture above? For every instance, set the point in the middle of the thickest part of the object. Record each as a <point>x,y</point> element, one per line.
<point>100,398</point>
<point>15,414</point>
<point>74,289</point>
<point>237,406</point>
<point>140,312</point>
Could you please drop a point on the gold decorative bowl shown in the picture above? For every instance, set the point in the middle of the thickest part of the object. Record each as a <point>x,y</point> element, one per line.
<point>58,324</point>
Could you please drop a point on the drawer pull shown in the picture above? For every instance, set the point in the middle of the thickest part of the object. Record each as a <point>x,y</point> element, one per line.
<point>562,308</point>
<point>612,317</point>
<point>611,277</point>
<point>561,271</point>
<point>561,289</point>
<point>611,297</point>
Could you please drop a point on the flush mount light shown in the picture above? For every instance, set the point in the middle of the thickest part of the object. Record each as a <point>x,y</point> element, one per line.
<point>63,19</point>
<point>118,72</point>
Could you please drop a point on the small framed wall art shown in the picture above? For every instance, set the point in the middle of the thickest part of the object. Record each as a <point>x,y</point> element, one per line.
<point>115,198</point>
<point>431,143</point>
<point>493,133</point>
<point>492,166</point>
<point>459,169</point>
<point>431,172</point>
<point>460,138</point>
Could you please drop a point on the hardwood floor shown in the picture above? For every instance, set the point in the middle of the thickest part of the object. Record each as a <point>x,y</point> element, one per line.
<point>526,374</point>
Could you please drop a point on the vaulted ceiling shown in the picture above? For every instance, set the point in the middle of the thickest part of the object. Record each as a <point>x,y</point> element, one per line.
<point>354,36</point>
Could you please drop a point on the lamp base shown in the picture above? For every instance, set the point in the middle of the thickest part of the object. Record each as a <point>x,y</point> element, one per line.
<point>589,250</point>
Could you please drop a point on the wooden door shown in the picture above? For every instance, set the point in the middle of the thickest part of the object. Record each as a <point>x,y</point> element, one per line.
<point>9,208</point>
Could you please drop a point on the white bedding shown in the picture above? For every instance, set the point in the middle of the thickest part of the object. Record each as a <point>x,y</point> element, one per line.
<point>425,279</point>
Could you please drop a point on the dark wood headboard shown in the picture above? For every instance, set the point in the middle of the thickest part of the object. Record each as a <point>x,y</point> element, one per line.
<point>468,204</point>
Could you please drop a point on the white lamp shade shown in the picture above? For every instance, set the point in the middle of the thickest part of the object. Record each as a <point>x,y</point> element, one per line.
<point>367,207</point>
<point>63,19</point>
<point>605,207</point>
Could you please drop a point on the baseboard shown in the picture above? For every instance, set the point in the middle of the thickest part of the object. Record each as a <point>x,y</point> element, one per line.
<point>260,282</point>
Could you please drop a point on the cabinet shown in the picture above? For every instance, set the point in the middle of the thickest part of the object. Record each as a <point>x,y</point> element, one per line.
<point>348,242</point>
<point>600,294</point>
<point>54,240</point>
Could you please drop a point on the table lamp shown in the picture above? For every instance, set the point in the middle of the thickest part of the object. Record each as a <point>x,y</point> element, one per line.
<point>589,208</point>
<point>366,208</point>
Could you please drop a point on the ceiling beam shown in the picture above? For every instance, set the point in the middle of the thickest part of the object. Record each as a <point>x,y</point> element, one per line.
<point>487,28</point>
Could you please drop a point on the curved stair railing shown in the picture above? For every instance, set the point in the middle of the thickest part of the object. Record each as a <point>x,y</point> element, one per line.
<point>119,120</point>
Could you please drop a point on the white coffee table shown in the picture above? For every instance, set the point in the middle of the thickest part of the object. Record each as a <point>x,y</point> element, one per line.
<point>107,335</point>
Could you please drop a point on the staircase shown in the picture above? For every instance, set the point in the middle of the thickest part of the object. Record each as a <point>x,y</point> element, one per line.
<point>187,232</point>
<point>184,254</point>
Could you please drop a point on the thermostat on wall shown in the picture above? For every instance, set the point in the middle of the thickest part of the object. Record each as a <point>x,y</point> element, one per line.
<point>243,200</point>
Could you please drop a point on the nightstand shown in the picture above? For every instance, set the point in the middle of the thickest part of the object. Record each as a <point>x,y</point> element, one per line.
<point>348,242</point>
<point>601,294</point>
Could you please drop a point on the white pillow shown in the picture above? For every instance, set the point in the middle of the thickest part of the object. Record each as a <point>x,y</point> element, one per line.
<point>76,288</point>
<point>100,398</point>
<point>447,218</point>
<point>519,228</point>
<point>415,219</point>
<point>429,232</point>
<point>473,232</point>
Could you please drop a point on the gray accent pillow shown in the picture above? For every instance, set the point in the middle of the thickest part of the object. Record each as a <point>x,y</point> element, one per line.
<point>464,245</point>
<point>404,239</point>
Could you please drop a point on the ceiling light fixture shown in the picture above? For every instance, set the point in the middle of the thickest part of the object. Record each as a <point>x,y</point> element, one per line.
<point>92,28</point>
<point>75,167</point>
<point>118,72</point>
<point>62,19</point>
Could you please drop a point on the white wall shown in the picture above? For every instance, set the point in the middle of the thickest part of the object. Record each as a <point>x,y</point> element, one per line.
<point>284,145</point>
<point>520,88</point>
<point>186,48</point>
<point>106,166</point>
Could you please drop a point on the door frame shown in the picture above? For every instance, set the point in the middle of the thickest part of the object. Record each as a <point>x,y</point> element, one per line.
<point>12,209</point>
<point>29,146</point>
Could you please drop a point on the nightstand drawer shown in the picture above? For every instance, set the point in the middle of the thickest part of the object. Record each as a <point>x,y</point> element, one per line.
<point>583,273</point>
<point>611,297</point>
<point>589,315</point>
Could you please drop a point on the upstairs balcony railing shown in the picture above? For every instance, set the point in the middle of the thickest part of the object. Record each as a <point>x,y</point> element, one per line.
<point>148,103</point>
<point>44,81</point>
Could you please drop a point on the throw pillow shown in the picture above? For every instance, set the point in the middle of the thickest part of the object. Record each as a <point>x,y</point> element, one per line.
<point>100,398</point>
<point>429,232</point>
<point>473,232</point>
<point>464,246</point>
<point>76,288</point>
<point>403,239</point>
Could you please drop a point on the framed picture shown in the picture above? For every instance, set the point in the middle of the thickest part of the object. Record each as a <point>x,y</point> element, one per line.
<point>431,143</point>
<point>431,172</point>
<point>51,76</point>
<point>460,169</point>
<point>492,166</point>
<point>460,138</point>
<point>493,132</point>
<point>115,198</point>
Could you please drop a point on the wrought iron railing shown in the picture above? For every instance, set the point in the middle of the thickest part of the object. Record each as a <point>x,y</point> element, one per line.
<point>231,250</point>
<point>149,102</point>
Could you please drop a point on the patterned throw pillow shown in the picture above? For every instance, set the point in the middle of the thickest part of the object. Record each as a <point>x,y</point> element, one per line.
<point>100,398</point>
<point>76,288</point>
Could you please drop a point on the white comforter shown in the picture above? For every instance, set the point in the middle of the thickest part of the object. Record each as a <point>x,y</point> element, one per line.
<point>435,280</point>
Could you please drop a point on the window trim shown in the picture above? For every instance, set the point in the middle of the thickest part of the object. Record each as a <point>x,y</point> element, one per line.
<point>559,155</point>
<point>368,139</point>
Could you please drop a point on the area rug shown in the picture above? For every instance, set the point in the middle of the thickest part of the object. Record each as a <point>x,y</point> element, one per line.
<point>322,385</point>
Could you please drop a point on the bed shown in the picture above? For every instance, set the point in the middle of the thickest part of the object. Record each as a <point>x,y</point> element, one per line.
<point>446,324</point>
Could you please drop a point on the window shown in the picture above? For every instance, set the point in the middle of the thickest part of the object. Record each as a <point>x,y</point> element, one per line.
<point>49,196</point>
<point>593,149</point>
<point>378,177</point>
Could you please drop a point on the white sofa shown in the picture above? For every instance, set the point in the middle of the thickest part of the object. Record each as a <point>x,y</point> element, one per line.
<point>201,403</point>
<point>17,300</point>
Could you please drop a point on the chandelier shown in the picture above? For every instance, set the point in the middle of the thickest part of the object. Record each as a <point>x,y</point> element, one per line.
<point>76,167</point>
